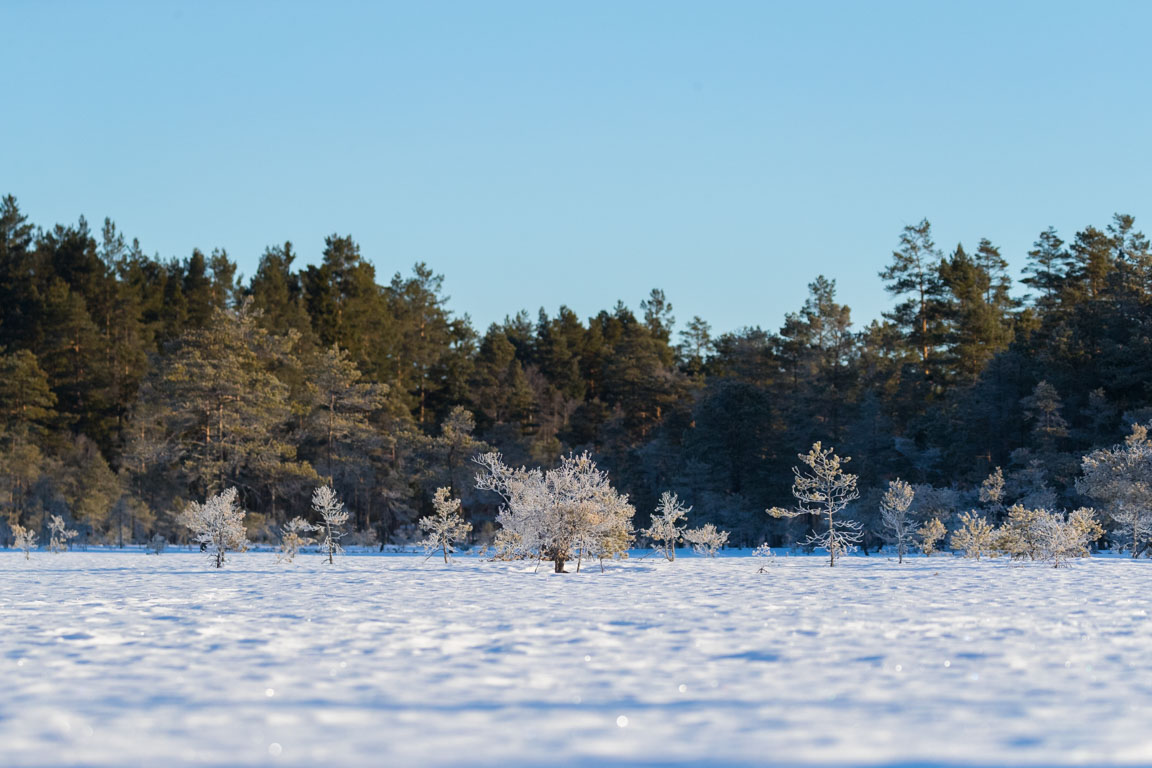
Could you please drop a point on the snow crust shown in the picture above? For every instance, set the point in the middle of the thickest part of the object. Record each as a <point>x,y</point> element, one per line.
<point>122,659</point>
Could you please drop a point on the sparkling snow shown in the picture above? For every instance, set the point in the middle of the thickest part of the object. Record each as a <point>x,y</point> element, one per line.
<point>121,659</point>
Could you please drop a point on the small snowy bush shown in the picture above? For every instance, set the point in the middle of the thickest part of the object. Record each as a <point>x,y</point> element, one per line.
<point>974,536</point>
<point>765,551</point>
<point>25,539</point>
<point>929,535</point>
<point>218,524</point>
<point>1041,534</point>
<point>706,540</point>
<point>293,536</point>
<point>667,527</point>
<point>1020,535</point>
<point>1063,538</point>
<point>59,534</point>
<point>156,545</point>
<point>446,527</point>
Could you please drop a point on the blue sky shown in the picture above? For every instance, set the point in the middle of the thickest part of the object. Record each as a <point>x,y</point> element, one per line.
<point>542,153</point>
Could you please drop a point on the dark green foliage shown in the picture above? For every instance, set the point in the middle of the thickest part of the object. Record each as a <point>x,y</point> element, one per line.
<point>129,384</point>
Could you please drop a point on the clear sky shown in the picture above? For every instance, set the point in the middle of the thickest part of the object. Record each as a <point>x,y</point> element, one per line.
<point>541,153</point>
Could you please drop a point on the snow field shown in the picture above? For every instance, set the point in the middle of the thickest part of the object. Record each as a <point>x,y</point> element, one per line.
<point>123,659</point>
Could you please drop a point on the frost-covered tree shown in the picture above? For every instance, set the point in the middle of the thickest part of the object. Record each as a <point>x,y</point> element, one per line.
<point>446,527</point>
<point>218,524</point>
<point>1061,538</point>
<point>1121,477</point>
<point>332,516</point>
<point>59,534</point>
<point>293,536</point>
<point>706,540</point>
<point>769,556</point>
<point>992,491</point>
<point>156,545</point>
<point>570,511</point>
<point>825,490</point>
<point>894,514</point>
<point>974,536</point>
<point>667,527</point>
<point>606,532</point>
<point>930,534</point>
<point>25,539</point>
<point>1020,536</point>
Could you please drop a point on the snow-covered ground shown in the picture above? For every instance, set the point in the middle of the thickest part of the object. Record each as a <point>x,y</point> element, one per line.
<point>122,659</point>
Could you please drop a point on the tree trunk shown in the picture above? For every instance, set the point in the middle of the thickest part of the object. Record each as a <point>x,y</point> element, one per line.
<point>559,563</point>
<point>831,542</point>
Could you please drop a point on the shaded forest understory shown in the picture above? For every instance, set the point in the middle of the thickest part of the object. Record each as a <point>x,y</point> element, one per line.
<point>130,385</point>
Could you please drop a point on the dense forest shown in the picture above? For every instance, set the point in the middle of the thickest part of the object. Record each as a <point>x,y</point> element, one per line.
<point>131,385</point>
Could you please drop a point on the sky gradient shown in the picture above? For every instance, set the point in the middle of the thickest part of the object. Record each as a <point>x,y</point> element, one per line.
<point>540,154</point>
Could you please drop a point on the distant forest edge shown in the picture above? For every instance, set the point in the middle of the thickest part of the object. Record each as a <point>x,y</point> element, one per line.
<point>130,385</point>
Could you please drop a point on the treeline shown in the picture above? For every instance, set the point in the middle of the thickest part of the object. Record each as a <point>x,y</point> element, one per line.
<point>131,385</point>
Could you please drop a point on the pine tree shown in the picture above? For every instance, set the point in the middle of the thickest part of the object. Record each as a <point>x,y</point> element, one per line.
<point>446,527</point>
<point>1043,408</point>
<point>695,346</point>
<point>930,534</point>
<point>342,405</point>
<point>499,387</point>
<point>220,411</point>
<point>825,490</point>
<point>975,536</point>
<point>914,273</point>
<point>894,513</point>
<point>658,315</point>
<point>333,515</point>
<point>429,339</point>
<point>1047,268</point>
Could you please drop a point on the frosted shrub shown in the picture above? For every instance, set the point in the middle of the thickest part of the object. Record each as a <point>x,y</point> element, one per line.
<point>293,536</point>
<point>25,539</point>
<point>156,545</point>
<point>667,527</point>
<point>332,516</point>
<point>825,489</point>
<point>1062,538</point>
<point>446,527</point>
<point>566,512</point>
<point>764,551</point>
<point>706,540</point>
<point>974,537</point>
<point>894,514</point>
<point>1121,477</point>
<point>929,535</point>
<point>218,524</point>
<point>59,534</point>
<point>1019,537</point>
